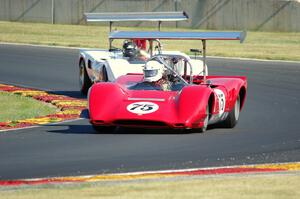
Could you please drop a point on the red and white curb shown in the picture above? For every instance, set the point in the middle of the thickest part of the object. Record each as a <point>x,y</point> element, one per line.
<point>69,108</point>
<point>246,169</point>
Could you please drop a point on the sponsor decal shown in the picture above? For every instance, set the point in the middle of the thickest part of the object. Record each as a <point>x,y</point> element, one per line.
<point>141,108</point>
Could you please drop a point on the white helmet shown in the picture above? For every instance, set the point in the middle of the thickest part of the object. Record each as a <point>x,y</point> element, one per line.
<point>153,71</point>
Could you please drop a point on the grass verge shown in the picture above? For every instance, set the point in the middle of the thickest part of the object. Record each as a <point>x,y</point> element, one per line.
<point>243,187</point>
<point>15,107</point>
<point>261,45</point>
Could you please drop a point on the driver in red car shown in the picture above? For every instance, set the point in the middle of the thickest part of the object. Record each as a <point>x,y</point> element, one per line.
<point>155,78</point>
<point>154,73</point>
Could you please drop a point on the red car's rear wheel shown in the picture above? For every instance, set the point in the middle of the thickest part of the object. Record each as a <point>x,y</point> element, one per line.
<point>234,115</point>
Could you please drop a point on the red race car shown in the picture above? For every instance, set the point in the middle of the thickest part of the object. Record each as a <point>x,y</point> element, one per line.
<point>162,97</point>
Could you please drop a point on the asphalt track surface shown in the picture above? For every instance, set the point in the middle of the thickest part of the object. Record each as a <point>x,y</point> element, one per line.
<point>268,130</point>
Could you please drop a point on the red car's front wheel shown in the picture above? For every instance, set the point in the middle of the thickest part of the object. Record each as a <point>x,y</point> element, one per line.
<point>84,80</point>
<point>205,122</point>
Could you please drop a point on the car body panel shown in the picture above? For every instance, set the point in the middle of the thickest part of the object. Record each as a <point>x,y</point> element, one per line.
<point>114,62</point>
<point>109,102</point>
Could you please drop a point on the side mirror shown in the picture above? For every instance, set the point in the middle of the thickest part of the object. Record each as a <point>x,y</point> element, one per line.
<point>196,52</point>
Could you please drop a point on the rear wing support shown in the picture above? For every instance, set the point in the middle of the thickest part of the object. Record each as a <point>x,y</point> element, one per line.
<point>204,59</point>
<point>136,16</point>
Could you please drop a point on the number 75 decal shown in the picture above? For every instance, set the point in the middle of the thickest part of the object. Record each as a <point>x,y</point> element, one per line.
<point>141,108</point>
<point>222,101</point>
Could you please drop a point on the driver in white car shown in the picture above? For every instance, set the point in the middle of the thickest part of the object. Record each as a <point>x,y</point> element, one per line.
<point>135,49</point>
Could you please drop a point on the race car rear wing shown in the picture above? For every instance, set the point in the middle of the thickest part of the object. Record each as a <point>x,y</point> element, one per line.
<point>178,35</point>
<point>203,36</point>
<point>136,16</point>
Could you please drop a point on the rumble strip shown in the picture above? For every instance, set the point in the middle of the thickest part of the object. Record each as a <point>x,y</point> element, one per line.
<point>260,168</point>
<point>69,108</point>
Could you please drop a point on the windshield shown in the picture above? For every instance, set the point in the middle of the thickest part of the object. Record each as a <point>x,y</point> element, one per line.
<point>176,86</point>
<point>170,79</point>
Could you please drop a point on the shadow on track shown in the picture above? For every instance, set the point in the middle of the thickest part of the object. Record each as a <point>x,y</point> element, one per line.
<point>88,129</point>
<point>71,129</point>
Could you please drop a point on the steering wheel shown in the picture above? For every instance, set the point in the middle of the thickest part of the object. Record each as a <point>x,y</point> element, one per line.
<point>114,49</point>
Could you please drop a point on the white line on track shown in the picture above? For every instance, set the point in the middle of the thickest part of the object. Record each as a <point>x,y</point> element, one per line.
<point>195,169</point>
<point>165,171</point>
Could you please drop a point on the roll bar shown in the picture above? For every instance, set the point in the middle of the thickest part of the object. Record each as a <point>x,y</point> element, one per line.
<point>159,58</point>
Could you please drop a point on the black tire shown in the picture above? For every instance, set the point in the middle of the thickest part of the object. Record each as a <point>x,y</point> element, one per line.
<point>84,81</point>
<point>204,128</point>
<point>104,75</point>
<point>234,115</point>
<point>104,129</point>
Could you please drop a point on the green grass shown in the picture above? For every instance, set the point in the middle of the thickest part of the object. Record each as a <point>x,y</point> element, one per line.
<point>228,187</point>
<point>261,45</point>
<point>15,107</point>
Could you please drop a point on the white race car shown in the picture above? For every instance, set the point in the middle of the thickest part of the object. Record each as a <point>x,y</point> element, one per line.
<point>98,65</point>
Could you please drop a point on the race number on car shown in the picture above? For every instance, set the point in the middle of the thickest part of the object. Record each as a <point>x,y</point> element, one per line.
<point>141,108</point>
<point>222,101</point>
